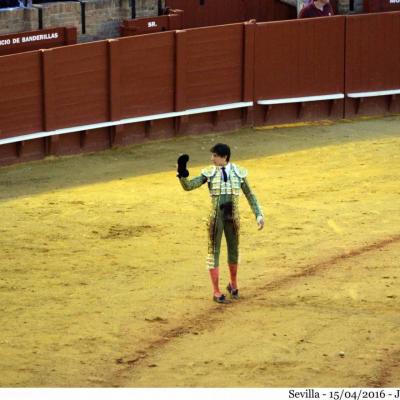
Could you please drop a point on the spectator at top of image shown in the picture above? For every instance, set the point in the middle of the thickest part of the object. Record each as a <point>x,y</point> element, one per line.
<point>317,8</point>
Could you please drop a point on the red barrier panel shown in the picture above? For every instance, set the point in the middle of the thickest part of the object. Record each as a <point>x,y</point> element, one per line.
<point>217,12</point>
<point>372,52</point>
<point>76,85</point>
<point>300,58</point>
<point>220,12</point>
<point>21,97</point>
<point>372,6</point>
<point>147,70</point>
<point>214,65</point>
<point>141,26</point>
<point>194,13</point>
<point>372,61</point>
<point>35,40</point>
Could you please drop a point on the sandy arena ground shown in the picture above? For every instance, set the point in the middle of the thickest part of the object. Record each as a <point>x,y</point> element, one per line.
<point>103,279</point>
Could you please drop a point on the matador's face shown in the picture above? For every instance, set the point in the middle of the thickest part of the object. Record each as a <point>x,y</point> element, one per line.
<point>218,161</point>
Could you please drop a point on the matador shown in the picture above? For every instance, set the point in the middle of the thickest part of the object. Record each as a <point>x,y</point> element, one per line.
<point>225,182</point>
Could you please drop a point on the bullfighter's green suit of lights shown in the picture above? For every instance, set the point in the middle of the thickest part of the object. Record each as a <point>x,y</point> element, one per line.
<point>224,213</point>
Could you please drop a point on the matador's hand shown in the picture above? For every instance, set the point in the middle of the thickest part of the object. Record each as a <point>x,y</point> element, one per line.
<point>182,170</point>
<point>260,222</point>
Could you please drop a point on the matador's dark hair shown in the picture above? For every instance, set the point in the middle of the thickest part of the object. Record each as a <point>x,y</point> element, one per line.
<point>222,150</point>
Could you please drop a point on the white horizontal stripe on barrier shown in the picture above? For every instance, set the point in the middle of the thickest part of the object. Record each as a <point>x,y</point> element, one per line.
<point>373,94</point>
<point>80,128</point>
<point>270,102</point>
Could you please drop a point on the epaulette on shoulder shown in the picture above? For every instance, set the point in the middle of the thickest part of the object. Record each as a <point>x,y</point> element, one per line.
<point>240,172</point>
<point>209,171</point>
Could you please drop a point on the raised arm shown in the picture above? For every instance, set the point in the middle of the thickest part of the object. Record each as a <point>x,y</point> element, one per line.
<point>183,173</point>
<point>190,184</point>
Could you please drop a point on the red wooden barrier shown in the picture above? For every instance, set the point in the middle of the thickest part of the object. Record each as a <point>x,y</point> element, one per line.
<point>218,12</point>
<point>214,64</point>
<point>124,78</point>
<point>21,108</point>
<point>372,6</point>
<point>76,85</point>
<point>299,58</point>
<point>147,69</point>
<point>152,85</point>
<point>373,61</point>
<point>209,71</point>
<point>162,23</point>
<point>35,40</point>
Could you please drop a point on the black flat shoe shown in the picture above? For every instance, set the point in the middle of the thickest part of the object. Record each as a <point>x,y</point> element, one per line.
<point>221,299</point>
<point>234,293</point>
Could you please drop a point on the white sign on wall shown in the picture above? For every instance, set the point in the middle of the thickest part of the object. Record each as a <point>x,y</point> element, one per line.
<point>28,39</point>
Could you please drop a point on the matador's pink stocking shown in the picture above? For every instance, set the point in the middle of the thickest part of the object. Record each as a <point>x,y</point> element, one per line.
<point>214,275</point>
<point>233,273</point>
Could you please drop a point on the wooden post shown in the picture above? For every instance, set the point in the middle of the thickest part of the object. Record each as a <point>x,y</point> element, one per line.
<point>49,118</point>
<point>52,145</point>
<point>216,115</point>
<point>332,104</point>
<point>82,139</point>
<point>249,37</point>
<point>19,148</point>
<point>115,112</point>
<point>180,70</point>
<point>248,60</point>
<point>180,78</point>
<point>148,126</point>
<point>114,64</point>
<point>70,36</point>
<point>48,91</point>
<point>300,109</point>
<point>175,22</point>
<point>267,111</point>
<point>358,104</point>
<point>391,99</point>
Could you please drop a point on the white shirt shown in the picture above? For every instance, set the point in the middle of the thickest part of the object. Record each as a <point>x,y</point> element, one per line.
<point>226,187</point>
<point>227,170</point>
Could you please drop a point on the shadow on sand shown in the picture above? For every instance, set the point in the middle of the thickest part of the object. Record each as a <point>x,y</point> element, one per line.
<point>160,156</point>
